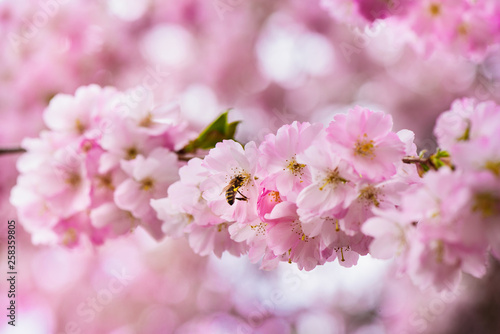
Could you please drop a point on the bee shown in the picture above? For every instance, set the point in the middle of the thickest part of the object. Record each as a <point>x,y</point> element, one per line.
<point>233,188</point>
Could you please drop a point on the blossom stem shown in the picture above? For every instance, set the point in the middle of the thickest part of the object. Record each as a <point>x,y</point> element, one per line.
<point>11,150</point>
<point>183,156</point>
<point>421,161</point>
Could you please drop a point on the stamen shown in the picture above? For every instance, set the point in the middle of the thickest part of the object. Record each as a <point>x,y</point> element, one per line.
<point>439,249</point>
<point>435,9</point>
<point>466,134</point>
<point>146,121</point>
<point>365,147</point>
<point>334,178</point>
<point>462,29</point>
<point>133,221</point>
<point>370,194</point>
<point>131,153</point>
<point>275,196</point>
<point>105,181</point>
<point>221,226</point>
<point>80,128</point>
<point>87,146</point>
<point>147,184</point>
<point>259,228</point>
<point>493,166</point>
<point>487,204</point>
<point>295,167</point>
<point>69,236</point>
<point>74,179</point>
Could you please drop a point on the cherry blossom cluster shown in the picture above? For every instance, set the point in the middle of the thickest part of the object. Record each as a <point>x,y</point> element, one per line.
<point>449,222</point>
<point>95,169</point>
<point>301,196</point>
<point>468,27</point>
<point>308,194</point>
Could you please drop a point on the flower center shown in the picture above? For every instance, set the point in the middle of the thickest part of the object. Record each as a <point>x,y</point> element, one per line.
<point>493,166</point>
<point>435,9</point>
<point>73,179</point>
<point>370,194</point>
<point>466,135</point>
<point>365,147</point>
<point>131,153</point>
<point>295,167</point>
<point>69,237</point>
<point>146,121</point>
<point>487,204</point>
<point>275,196</point>
<point>462,29</point>
<point>147,184</point>
<point>87,146</point>
<point>105,181</point>
<point>80,128</point>
<point>333,177</point>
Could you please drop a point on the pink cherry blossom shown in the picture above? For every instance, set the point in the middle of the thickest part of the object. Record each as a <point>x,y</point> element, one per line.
<point>226,161</point>
<point>482,154</point>
<point>109,216</point>
<point>85,107</point>
<point>365,139</point>
<point>184,204</point>
<point>124,141</point>
<point>391,231</point>
<point>325,226</point>
<point>484,206</point>
<point>333,180</point>
<point>149,178</point>
<point>439,263</point>
<point>467,119</point>
<point>214,239</point>
<point>279,156</point>
<point>285,238</point>
<point>384,195</point>
<point>348,248</point>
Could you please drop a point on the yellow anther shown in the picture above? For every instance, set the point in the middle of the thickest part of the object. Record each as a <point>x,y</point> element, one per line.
<point>147,184</point>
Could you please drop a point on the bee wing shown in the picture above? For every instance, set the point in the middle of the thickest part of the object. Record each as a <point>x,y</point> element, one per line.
<point>226,188</point>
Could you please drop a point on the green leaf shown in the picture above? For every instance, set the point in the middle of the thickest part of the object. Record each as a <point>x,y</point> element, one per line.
<point>216,132</point>
<point>440,159</point>
<point>231,128</point>
<point>441,154</point>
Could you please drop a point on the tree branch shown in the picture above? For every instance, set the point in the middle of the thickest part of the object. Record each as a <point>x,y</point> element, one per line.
<point>11,150</point>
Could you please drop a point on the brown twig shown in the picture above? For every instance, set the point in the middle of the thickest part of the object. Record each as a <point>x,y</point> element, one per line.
<point>13,150</point>
<point>188,156</point>
<point>421,161</point>
<point>414,160</point>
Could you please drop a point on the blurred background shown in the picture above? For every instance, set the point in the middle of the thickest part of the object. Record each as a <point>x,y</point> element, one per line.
<point>273,62</point>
